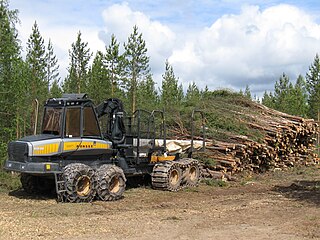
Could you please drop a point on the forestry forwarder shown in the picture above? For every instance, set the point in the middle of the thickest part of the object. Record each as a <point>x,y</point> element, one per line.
<point>85,163</point>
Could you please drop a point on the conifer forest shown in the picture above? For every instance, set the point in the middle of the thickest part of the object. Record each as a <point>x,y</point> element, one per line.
<point>121,71</point>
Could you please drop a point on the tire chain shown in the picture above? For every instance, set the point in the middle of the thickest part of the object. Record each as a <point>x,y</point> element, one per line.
<point>189,162</point>
<point>161,171</point>
<point>70,173</point>
<point>105,172</point>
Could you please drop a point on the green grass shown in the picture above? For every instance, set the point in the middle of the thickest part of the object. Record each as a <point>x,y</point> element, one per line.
<point>191,189</point>
<point>215,182</point>
<point>209,162</point>
<point>9,181</point>
<point>172,218</point>
<point>307,171</point>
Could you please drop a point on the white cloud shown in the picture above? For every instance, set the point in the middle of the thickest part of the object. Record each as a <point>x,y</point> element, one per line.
<point>62,36</point>
<point>160,40</point>
<point>253,47</point>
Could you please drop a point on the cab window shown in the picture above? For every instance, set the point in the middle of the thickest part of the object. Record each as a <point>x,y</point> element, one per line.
<point>90,124</point>
<point>72,128</point>
<point>51,121</point>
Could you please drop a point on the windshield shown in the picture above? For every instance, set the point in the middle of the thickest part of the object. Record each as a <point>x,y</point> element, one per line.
<point>52,121</point>
<point>73,117</point>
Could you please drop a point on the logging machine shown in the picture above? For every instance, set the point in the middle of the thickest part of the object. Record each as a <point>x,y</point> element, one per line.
<point>85,159</point>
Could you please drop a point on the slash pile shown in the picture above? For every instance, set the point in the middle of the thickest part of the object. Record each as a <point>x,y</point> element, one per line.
<point>261,139</point>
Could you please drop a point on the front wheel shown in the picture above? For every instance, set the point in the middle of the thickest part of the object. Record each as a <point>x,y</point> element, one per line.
<point>111,182</point>
<point>36,184</point>
<point>79,183</point>
<point>29,183</point>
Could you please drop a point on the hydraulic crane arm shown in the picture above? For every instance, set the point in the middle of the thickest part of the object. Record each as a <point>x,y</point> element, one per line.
<point>113,108</point>
<point>109,106</point>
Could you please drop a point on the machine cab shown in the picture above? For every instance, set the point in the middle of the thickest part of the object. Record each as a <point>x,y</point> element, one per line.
<point>72,116</point>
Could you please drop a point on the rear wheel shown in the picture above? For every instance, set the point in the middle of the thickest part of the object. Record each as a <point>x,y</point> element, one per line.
<point>111,182</point>
<point>192,175</point>
<point>174,178</point>
<point>79,183</point>
<point>167,176</point>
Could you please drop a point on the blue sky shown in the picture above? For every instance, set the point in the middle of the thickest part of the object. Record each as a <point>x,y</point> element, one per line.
<point>221,44</point>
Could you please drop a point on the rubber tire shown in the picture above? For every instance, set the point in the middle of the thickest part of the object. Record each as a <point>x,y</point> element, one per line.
<point>171,186</point>
<point>105,175</point>
<point>29,183</point>
<point>71,174</point>
<point>36,184</point>
<point>189,180</point>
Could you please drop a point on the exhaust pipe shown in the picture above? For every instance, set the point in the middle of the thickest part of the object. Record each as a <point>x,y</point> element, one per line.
<point>36,117</point>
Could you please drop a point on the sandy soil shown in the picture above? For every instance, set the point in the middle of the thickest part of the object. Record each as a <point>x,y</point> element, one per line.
<point>279,205</point>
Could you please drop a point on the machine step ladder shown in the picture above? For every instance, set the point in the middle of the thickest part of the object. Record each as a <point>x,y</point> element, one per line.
<point>60,186</point>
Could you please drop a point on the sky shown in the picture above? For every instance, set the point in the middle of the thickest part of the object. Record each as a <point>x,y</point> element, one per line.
<point>219,44</point>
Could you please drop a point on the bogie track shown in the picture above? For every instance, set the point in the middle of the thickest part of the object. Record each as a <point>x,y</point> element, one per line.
<point>175,175</point>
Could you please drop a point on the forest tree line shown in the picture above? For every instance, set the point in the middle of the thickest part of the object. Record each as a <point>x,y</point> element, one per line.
<point>105,74</point>
<point>122,71</point>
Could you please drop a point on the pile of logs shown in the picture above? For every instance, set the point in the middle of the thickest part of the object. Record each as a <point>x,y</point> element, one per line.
<point>286,141</point>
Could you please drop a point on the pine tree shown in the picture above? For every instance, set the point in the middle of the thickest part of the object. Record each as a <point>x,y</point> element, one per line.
<point>299,98</point>
<point>288,98</point>
<point>114,64</point>
<point>172,93</point>
<point>193,95</point>
<point>268,100</point>
<point>52,67</point>
<point>12,79</point>
<point>36,59</point>
<point>99,86</point>
<point>281,92</point>
<point>147,94</point>
<point>136,65</point>
<point>247,92</point>
<point>55,89</point>
<point>313,87</point>
<point>77,78</point>
<point>205,93</point>
<point>9,51</point>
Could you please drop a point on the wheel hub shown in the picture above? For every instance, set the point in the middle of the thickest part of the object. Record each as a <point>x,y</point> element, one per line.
<point>174,177</point>
<point>193,173</point>
<point>83,185</point>
<point>114,184</point>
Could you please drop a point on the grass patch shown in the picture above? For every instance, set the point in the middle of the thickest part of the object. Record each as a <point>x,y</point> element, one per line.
<point>9,181</point>
<point>247,177</point>
<point>208,162</point>
<point>191,189</point>
<point>215,182</point>
<point>173,218</point>
<point>311,171</point>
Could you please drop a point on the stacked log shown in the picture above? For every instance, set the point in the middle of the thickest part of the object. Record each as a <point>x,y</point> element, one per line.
<point>286,141</point>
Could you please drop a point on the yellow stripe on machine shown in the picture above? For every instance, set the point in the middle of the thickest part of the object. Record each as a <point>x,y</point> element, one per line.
<point>102,145</point>
<point>70,146</point>
<point>46,149</point>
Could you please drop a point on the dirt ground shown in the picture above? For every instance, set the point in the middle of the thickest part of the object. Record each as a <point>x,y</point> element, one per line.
<point>278,205</point>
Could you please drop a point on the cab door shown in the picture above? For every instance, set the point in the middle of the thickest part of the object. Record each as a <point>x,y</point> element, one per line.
<point>82,137</point>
